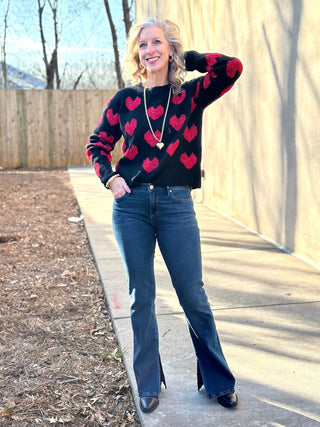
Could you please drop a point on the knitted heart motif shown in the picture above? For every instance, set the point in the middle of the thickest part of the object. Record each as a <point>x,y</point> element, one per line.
<point>130,127</point>
<point>188,161</point>
<point>155,113</point>
<point>150,165</point>
<point>104,137</point>
<point>193,105</point>
<point>232,67</point>
<point>172,147</point>
<point>206,81</point>
<point>149,138</point>
<point>102,145</point>
<point>191,133</point>
<point>177,99</point>
<point>211,58</point>
<point>176,122</point>
<point>107,155</point>
<point>113,119</point>
<point>132,104</point>
<point>131,153</point>
<point>88,154</point>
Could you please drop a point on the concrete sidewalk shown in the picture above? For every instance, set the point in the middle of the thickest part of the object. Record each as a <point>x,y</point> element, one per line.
<point>266,306</point>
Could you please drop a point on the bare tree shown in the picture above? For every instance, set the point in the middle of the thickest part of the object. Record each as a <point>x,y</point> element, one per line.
<point>3,48</point>
<point>126,15</point>
<point>115,45</point>
<point>51,66</point>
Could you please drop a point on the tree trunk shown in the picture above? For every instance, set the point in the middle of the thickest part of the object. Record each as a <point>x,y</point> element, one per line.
<point>52,66</point>
<point>115,46</point>
<point>126,16</point>
<point>54,8</point>
<point>3,49</point>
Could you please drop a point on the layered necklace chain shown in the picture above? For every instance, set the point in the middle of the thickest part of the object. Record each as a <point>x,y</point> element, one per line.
<point>159,144</point>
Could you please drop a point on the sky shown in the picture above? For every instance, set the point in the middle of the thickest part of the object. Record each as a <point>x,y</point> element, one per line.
<point>85,36</point>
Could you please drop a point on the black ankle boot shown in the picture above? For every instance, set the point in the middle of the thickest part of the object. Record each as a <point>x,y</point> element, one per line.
<point>149,403</point>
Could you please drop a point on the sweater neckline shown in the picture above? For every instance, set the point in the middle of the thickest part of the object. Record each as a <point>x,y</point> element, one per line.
<point>155,89</point>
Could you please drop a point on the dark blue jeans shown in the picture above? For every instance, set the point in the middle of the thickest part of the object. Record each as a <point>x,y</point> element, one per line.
<point>166,214</point>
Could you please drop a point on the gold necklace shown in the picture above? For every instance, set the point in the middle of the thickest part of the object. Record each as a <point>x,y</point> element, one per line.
<point>159,144</point>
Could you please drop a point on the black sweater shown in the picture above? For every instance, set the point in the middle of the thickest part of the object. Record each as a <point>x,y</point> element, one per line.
<point>178,162</point>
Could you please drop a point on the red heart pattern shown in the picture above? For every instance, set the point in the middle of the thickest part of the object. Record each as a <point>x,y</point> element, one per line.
<point>191,133</point>
<point>193,104</point>
<point>132,104</point>
<point>113,119</point>
<point>107,155</point>
<point>131,152</point>
<point>172,147</point>
<point>176,122</point>
<point>102,145</point>
<point>233,67</point>
<point>188,161</point>
<point>177,99</point>
<point>155,113</point>
<point>211,58</point>
<point>206,81</point>
<point>104,137</point>
<point>89,154</point>
<point>150,165</point>
<point>150,139</point>
<point>130,127</point>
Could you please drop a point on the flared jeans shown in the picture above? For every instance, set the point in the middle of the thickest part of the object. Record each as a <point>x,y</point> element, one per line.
<point>151,214</point>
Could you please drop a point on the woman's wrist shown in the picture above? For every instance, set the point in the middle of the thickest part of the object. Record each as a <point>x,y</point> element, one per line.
<point>110,180</point>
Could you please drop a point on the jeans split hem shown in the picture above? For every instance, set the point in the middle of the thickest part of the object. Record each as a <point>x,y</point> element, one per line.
<point>149,394</point>
<point>216,395</point>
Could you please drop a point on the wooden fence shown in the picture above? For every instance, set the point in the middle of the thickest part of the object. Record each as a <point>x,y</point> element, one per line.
<point>48,128</point>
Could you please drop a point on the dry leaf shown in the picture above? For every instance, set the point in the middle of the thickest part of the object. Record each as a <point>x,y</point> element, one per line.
<point>6,412</point>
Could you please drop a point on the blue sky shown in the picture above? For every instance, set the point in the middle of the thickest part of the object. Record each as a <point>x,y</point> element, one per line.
<point>85,34</point>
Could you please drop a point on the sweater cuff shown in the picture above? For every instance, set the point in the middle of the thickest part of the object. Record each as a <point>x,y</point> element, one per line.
<point>190,58</point>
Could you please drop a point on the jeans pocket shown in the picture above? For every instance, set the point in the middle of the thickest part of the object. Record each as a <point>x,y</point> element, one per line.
<point>118,199</point>
<point>179,193</point>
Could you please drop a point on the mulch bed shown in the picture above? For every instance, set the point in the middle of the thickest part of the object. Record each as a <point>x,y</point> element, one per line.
<point>60,361</point>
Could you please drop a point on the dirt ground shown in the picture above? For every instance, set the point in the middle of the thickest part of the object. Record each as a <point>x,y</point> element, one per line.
<point>60,361</point>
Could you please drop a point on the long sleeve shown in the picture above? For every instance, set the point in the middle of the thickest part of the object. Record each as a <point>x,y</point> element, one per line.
<point>221,73</point>
<point>101,143</point>
<point>178,162</point>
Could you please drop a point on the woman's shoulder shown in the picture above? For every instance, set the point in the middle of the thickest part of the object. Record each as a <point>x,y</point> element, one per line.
<point>122,94</point>
<point>129,91</point>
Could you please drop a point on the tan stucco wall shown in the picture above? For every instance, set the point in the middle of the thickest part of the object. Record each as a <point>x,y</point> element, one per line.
<point>261,142</point>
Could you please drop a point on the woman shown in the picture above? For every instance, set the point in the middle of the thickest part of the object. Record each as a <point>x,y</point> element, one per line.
<point>160,118</point>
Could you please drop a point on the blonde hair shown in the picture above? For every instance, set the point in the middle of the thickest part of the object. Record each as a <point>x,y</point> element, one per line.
<point>176,70</point>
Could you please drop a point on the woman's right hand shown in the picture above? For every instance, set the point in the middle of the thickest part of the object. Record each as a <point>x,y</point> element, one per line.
<point>119,187</point>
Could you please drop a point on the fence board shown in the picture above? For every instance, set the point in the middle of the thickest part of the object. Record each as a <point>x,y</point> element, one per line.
<point>48,128</point>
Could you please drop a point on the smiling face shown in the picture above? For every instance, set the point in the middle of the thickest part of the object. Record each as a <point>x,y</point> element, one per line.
<point>154,51</point>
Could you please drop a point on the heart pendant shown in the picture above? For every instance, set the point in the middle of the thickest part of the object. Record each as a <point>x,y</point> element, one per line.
<point>160,145</point>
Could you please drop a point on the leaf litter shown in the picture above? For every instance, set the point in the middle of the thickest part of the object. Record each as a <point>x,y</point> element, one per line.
<point>60,359</point>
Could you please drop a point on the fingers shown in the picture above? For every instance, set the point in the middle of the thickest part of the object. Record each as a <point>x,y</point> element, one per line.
<point>119,187</point>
